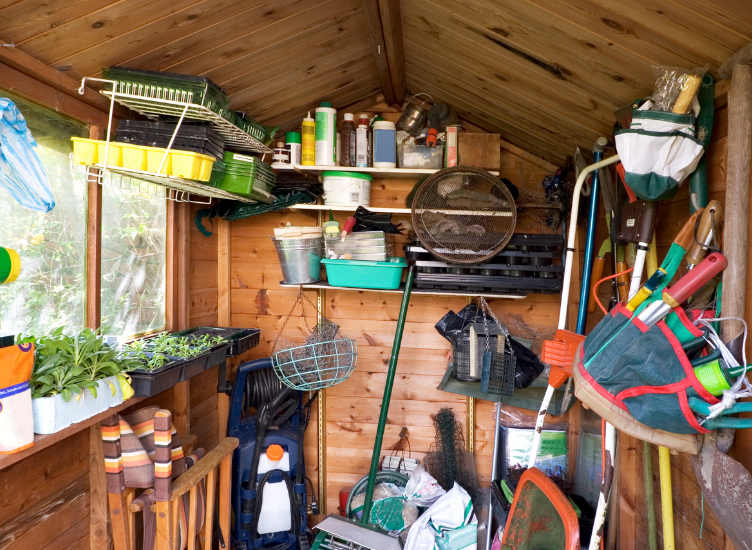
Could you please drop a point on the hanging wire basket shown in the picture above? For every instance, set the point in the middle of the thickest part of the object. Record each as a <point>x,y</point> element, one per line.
<point>326,359</point>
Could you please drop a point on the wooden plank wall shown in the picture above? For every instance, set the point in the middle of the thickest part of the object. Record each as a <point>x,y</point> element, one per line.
<point>687,501</point>
<point>352,408</point>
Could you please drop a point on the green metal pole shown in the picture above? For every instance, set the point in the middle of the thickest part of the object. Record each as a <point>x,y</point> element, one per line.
<point>387,395</point>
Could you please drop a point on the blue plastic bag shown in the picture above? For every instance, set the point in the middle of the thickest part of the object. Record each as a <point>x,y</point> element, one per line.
<point>21,172</point>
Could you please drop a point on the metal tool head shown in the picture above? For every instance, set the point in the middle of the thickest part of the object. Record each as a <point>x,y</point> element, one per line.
<point>727,486</point>
<point>339,533</point>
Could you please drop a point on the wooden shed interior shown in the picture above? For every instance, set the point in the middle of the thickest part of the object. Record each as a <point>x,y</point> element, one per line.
<point>546,75</point>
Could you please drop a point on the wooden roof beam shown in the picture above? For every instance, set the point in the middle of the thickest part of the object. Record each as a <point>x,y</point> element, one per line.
<point>385,30</point>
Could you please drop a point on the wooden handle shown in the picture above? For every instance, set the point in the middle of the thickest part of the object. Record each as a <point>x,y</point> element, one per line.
<point>713,212</point>
<point>695,279</point>
<point>684,101</point>
<point>684,237</point>
<point>597,273</point>
<point>622,281</point>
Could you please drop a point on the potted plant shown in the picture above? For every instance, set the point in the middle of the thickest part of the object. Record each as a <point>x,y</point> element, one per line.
<point>74,378</point>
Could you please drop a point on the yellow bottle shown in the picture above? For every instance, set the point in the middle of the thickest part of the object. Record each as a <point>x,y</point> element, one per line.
<point>308,148</point>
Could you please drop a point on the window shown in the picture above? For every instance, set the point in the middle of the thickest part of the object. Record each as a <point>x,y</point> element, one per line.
<point>51,289</point>
<point>134,236</point>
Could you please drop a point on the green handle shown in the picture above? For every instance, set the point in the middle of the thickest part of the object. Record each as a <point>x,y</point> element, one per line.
<point>387,394</point>
<point>698,180</point>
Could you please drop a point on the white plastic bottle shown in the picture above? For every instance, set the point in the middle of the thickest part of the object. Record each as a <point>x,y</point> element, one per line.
<point>326,135</point>
<point>275,510</point>
<point>384,144</point>
<point>362,142</point>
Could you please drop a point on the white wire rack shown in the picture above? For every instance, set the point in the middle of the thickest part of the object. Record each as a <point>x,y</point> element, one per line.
<point>175,189</point>
<point>152,106</point>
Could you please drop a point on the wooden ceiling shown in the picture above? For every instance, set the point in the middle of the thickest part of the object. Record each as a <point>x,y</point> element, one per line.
<point>545,74</point>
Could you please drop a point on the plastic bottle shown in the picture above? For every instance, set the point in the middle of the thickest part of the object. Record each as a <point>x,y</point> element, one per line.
<point>281,154</point>
<point>374,120</point>
<point>275,511</point>
<point>338,150</point>
<point>326,135</point>
<point>308,149</point>
<point>362,146</point>
<point>293,144</point>
<point>384,144</point>
<point>348,141</point>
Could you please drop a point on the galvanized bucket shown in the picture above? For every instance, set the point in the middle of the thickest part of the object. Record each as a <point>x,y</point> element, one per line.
<point>300,259</point>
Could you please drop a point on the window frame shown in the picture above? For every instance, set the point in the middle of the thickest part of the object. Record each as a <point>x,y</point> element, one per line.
<point>48,95</point>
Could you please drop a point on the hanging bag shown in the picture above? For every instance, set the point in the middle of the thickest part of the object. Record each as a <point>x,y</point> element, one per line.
<point>16,418</point>
<point>658,151</point>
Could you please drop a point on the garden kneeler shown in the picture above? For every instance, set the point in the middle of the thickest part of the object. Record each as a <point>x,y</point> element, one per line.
<point>16,420</point>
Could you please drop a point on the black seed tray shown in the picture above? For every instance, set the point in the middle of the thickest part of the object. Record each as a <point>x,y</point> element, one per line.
<point>151,382</point>
<point>194,366</point>
<point>241,339</point>
<point>217,355</point>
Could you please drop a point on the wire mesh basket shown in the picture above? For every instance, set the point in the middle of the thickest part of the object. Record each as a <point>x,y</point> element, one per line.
<point>325,359</point>
<point>501,380</point>
<point>316,366</point>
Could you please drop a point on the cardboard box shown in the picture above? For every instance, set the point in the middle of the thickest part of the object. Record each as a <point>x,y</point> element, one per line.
<point>479,150</point>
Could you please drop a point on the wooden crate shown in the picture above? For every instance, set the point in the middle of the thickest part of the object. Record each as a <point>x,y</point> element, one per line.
<point>480,150</point>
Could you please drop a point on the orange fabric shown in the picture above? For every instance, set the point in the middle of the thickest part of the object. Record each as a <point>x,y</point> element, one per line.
<point>16,363</point>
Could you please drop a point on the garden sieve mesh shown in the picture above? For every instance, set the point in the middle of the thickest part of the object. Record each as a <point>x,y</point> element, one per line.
<point>325,358</point>
<point>463,215</point>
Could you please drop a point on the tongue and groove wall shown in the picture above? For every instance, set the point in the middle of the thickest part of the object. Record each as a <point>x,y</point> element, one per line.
<point>352,408</point>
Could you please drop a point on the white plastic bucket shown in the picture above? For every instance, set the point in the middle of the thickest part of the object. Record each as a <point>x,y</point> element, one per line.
<point>347,188</point>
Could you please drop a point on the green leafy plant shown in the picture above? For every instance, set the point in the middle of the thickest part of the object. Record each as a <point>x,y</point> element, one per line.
<point>165,345</point>
<point>68,365</point>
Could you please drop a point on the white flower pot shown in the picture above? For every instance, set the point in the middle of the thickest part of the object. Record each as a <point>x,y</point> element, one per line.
<point>52,414</point>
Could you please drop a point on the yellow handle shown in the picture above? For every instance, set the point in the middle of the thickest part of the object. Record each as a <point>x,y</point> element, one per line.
<point>684,101</point>
<point>667,501</point>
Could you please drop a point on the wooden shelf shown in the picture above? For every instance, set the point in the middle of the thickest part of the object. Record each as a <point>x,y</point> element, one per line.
<point>376,172</point>
<point>41,442</point>
<point>336,208</point>
<point>400,290</point>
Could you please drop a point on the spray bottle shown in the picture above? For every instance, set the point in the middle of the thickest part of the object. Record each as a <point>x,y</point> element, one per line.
<point>308,152</point>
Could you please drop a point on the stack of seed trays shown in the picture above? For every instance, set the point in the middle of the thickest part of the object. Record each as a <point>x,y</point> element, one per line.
<point>198,138</point>
<point>183,88</point>
<point>248,176</point>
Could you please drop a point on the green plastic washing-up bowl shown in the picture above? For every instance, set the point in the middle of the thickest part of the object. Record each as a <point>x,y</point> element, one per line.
<point>365,274</point>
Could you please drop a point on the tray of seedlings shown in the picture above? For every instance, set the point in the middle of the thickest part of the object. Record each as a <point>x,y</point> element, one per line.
<point>168,359</point>
<point>240,339</point>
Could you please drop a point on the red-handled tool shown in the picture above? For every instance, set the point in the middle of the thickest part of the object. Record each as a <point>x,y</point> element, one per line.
<point>684,288</point>
<point>347,229</point>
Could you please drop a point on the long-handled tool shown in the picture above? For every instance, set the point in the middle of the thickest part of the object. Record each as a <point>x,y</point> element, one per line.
<point>560,370</point>
<point>637,226</point>
<point>726,484</point>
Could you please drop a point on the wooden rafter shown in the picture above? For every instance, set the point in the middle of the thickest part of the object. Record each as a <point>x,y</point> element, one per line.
<point>385,30</point>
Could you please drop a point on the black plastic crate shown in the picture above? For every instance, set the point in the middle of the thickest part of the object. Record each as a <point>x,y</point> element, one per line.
<point>194,366</point>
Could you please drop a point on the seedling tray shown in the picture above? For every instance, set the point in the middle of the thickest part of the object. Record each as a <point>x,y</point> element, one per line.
<point>194,366</point>
<point>151,382</point>
<point>217,355</point>
<point>241,339</point>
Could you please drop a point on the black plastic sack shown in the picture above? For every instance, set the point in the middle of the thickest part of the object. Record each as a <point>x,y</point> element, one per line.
<point>528,366</point>
<point>368,221</point>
